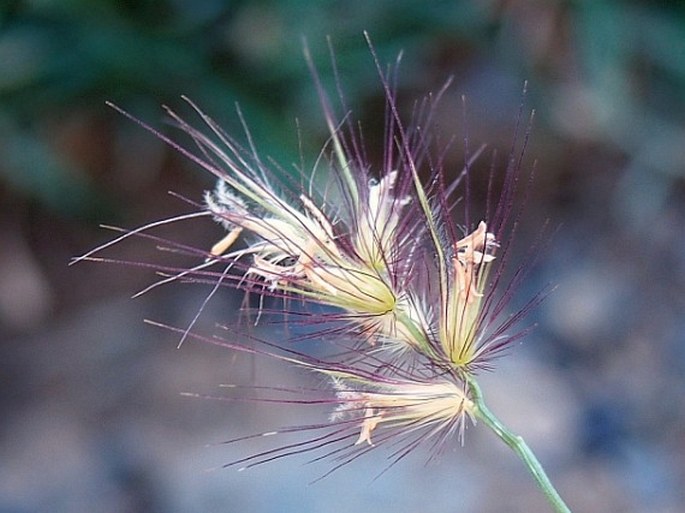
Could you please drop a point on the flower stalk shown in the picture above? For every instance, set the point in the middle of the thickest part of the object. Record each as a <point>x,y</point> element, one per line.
<point>517,444</point>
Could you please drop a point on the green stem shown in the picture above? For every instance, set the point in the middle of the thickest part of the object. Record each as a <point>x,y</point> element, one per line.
<point>518,445</point>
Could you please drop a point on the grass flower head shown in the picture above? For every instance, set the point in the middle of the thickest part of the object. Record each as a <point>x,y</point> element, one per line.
<point>415,285</point>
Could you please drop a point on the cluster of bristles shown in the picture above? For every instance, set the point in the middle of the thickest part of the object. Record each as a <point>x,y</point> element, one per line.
<point>408,285</point>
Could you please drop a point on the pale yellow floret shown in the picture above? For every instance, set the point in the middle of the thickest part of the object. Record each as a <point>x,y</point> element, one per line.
<point>377,223</point>
<point>460,314</point>
<point>298,252</point>
<point>401,405</point>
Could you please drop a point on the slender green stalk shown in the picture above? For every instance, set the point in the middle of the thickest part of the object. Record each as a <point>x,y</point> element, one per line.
<point>518,445</point>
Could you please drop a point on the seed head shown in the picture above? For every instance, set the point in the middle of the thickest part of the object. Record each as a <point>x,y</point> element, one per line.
<point>414,287</point>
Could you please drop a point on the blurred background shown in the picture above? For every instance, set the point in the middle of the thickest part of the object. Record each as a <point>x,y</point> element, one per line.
<point>91,413</point>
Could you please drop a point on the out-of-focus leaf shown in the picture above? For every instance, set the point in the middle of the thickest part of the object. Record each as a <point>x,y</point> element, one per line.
<point>31,168</point>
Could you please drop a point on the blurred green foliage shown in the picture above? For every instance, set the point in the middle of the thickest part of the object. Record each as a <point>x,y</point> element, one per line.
<point>604,72</point>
